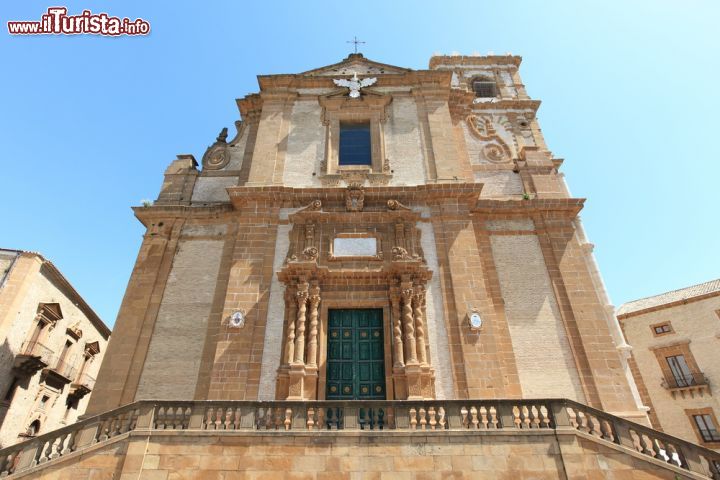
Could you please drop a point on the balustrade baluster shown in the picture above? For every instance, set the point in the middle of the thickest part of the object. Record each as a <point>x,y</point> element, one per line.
<point>441,418</point>
<point>474,417</point>
<point>310,418</point>
<point>321,418</point>
<point>483,417</point>
<point>493,417</point>
<point>582,419</point>
<point>413,418</point>
<point>431,414</point>
<point>46,450</point>
<point>7,463</point>
<point>58,446</point>
<point>545,414</point>
<point>516,417</point>
<point>572,416</point>
<point>117,425</point>
<point>70,445</point>
<point>647,445</point>
<point>607,430</point>
<point>423,419</point>
<point>535,417</point>
<point>228,418</point>
<point>464,413</point>
<point>288,418</point>
<point>525,416</point>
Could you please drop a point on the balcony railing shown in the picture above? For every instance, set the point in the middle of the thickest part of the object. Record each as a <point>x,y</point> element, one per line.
<point>33,356</point>
<point>64,368</point>
<point>695,379</point>
<point>81,386</point>
<point>424,418</point>
<point>86,380</point>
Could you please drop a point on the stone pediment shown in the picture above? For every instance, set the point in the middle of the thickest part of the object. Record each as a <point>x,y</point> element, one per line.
<point>356,63</point>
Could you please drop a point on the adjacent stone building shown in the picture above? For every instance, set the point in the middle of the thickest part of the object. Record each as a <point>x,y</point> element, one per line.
<point>52,347</point>
<point>676,361</point>
<point>382,275</point>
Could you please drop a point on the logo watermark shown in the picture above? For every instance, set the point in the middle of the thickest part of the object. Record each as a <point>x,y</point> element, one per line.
<point>57,22</point>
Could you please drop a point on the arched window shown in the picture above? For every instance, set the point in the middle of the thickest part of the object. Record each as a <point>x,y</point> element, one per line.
<point>484,87</point>
<point>34,428</point>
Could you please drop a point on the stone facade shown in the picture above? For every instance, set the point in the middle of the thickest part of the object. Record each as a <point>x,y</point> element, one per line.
<point>52,347</point>
<point>682,322</point>
<point>461,204</point>
<point>249,303</point>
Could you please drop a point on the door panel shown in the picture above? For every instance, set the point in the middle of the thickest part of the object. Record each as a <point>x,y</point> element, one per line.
<point>356,361</point>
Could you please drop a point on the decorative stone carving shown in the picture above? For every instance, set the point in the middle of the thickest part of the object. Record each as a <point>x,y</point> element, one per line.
<point>301,296</point>
<point>355,198</point>
<point>495,150</point>
<point>418,307</point>
<point>395,205</point>
<point>406,293</point>
<point>314,206</point>
<point>399,360</point>
<point>310,253</point>
<point>399,253</point>
<point>217,156</point>
<point>354,84</point>
<point>312,339</point>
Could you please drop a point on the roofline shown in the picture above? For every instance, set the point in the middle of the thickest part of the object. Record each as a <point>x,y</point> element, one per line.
<point>438,60</point>
<point>355,56</point>
<point>654,308</point>
<point>60,278</point>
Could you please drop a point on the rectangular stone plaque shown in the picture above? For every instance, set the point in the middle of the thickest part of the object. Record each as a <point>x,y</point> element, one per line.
<point>355,247</point>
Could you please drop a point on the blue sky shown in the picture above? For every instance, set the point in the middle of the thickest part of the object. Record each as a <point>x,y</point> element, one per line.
<point>629,90</point>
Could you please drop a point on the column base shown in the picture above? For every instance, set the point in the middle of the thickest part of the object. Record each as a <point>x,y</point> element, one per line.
<point>302,382</point>
<point>420,382</point>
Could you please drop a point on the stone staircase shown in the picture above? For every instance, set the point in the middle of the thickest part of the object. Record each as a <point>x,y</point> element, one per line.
<point>570,434</point>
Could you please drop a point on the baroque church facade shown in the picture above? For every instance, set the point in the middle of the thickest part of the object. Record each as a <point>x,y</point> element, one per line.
<point>381,276</point>
<point>370,232</point>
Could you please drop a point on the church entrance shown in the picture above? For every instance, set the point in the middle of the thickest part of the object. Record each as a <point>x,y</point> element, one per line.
<point>355,355</point>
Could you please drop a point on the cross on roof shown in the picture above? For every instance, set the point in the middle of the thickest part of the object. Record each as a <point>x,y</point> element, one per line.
<point>355,41</point>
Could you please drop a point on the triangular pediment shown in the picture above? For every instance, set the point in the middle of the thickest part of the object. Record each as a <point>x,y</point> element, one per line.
<point>356,63</point>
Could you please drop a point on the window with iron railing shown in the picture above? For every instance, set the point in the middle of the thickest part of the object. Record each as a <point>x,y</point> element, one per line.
<point>706,427</point>
<point>682,375</point>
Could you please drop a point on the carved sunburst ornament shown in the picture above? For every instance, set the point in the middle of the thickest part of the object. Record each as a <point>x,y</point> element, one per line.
<point>354,84</point>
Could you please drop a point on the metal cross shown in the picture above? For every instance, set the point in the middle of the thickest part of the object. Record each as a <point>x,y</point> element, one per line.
<point>355,41</point>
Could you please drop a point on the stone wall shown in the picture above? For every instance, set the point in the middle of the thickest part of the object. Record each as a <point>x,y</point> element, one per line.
<point>323,456</point>
<point>173,361</point>
<point>544,359</point>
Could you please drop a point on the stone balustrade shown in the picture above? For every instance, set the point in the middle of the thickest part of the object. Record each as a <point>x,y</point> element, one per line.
<point>486,417</point>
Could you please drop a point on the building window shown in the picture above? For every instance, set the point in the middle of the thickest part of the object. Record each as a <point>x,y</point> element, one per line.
<point>661,328</point>
<point>484,88</point>
<point>33,429</point>
<point>680,370</point>
<point>355,146</point>
<point>706,427</point>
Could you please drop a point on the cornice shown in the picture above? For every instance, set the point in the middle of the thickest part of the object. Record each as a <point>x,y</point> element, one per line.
<point>291,197</point>
<point>568,206</point>
<point>147,215</point>
<point>469,60</point>
<point>411,78</point>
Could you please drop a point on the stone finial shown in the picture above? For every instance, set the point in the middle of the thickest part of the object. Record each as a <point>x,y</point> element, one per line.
<point>222,137</point>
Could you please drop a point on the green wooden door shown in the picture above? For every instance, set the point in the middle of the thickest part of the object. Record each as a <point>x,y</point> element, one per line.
<point>356,359</point>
